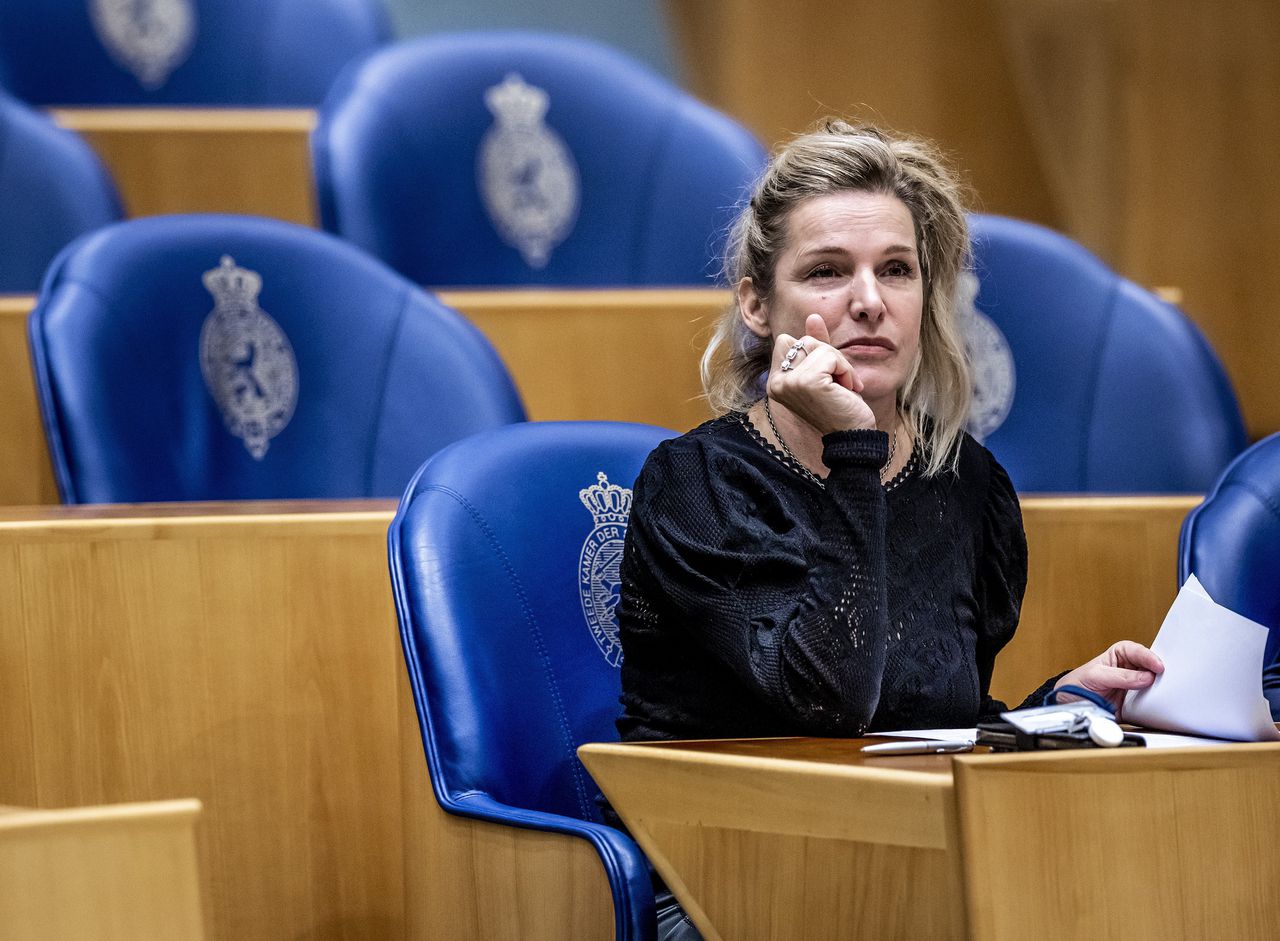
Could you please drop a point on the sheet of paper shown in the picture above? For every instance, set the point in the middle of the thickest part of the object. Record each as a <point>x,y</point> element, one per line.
<point>1169,740</point>
<point>937,735</point>
<point>1212,682</point>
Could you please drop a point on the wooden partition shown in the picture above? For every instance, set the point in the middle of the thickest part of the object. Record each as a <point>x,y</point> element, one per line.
<point>247,654</point>
<point>26,474</point>
<point>622,355</point>
<point>120,873</point>
<point>1101,569</point>
<point>255,161</point>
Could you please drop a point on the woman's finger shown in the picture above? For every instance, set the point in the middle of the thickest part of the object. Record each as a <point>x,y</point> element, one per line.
<point>1102,678</point>
<point>1132,654</point>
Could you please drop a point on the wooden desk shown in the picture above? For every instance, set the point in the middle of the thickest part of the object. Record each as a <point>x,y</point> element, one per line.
<point>807,838</point>
<point>118,873</point>
<point>623,355</point>
<point>255,161</point>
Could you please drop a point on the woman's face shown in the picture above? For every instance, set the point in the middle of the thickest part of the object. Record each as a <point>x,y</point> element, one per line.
<point>852,258</point>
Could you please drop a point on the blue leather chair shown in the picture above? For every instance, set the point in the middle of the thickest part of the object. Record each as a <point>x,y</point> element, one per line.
<point>527,158</point>
<point>229,357</point>
<point>1231,543</point>
<point>52,189</point>
<point>1086,381</point>
<point>183,52</point>
<point>504,561</point>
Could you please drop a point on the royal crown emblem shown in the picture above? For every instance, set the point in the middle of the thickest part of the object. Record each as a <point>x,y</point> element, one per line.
<point>247,361</point>
<point>994,375</point>
<point>528,180</point>
<point>150,38</point>
<point>599,575</point>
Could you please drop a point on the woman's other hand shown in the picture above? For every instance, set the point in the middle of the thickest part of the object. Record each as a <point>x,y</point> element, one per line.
<point>820,386</point>
<point>1123,666</point>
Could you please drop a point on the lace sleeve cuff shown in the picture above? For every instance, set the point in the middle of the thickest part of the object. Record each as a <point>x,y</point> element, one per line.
<point>861,448</point>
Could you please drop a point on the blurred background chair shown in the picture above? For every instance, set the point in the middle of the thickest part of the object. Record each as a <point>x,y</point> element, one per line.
<point>1231,543</point>
<point>504,560</point>
<point>525,158</point>
<point>52,189</point>
<point>230,357</point>
<point>183,52</point>
<point>1086,381</point>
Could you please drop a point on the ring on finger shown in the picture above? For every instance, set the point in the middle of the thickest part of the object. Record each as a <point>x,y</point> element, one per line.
<point>789,361</point>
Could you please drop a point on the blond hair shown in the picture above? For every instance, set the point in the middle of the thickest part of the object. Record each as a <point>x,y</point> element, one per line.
<point>836,157</point>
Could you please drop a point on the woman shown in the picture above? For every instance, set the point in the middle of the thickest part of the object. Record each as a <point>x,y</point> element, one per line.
<point>833,555</point>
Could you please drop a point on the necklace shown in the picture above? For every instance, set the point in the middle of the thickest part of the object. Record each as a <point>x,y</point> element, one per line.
<point>804,469</point>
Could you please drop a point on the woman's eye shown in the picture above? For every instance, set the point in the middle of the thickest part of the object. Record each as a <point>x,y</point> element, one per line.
<point>898,269</point>
<point>823,271</point>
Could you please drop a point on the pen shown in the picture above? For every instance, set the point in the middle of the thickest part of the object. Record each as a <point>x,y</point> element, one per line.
<point>916,748</point>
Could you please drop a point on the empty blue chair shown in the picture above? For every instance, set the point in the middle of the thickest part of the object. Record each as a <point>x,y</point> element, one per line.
<point>1086,381</point>
<point>52,189</point>
<point>504,562</point>
<point>229,357</point>
<point>1231,543</point>
<point>527,158</point>
<point>182,52</point>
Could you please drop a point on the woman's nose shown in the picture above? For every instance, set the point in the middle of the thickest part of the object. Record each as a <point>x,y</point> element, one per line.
<point>864,297</point>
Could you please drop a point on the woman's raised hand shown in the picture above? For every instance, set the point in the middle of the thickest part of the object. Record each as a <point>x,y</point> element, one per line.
<point>1123,666</point>
<point>819,386</point>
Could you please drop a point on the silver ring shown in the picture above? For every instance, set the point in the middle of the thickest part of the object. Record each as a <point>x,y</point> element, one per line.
<point>787,365</point>
<point>796,348</point>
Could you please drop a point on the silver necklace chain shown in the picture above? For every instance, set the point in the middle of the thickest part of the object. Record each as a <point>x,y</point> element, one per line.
<point>804,469</point>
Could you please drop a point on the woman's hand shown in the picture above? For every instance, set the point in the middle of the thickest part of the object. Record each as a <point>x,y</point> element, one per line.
<point>1123,666</point>
<point>820,387</point>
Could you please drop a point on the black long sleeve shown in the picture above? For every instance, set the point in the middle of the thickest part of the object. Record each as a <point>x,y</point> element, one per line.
<point>757,602</point>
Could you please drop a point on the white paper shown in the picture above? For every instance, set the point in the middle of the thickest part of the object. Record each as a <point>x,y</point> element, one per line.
<point>1212,681</point>
<point>935,735</point>
<point>1169,740</point>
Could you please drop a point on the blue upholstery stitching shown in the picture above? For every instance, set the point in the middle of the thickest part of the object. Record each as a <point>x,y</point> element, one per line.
<point>1095,370</point>
<point>574,767</point>
<point>1266,499</point>
<point>383,382</point>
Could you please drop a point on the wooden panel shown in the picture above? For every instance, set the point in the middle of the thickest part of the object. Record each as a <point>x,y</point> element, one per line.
<point>248,661</point>
<point>774,846</point>
<point>1131,844</point>
<point>931,67</point>
<point>169,160</point>
<point>629,355</point>
<point>626,355</point>
<point>119,873</point>
<point>248,654</point>
<point>1102,569</point>
<point>26,476</point>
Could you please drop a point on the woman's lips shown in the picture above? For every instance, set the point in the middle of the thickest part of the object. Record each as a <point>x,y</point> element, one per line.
<point>869,347</point>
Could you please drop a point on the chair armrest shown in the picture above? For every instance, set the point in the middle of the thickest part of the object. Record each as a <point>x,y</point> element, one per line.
<point>624,863</point>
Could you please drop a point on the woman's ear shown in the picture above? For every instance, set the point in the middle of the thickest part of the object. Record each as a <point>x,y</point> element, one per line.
<point>751,308</point>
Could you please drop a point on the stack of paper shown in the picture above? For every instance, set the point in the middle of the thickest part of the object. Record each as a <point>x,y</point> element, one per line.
<point>1212,680</point>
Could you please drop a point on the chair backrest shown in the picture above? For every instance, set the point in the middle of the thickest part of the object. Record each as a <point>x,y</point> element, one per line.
<point>52,189</point>
<point>527,158</point>
<point>1086,381</point>
<point>504,558</point>
<point>229,357</point>
<point>1231,543</point>
<point>183,52</point>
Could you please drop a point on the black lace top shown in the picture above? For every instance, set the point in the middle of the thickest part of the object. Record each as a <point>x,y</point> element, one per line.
<point>759,601</point>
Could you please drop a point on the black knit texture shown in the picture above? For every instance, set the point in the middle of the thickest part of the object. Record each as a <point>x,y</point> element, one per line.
<point>757,602</point>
